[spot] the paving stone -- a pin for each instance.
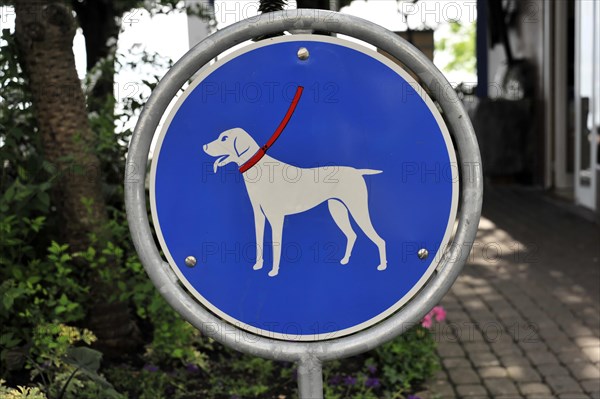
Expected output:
(508, 314)
(545, 323)
(449, 301)
(587, 311)
(515, 360)
(506, 349)
(534, 388)
(486, 320)
(593, 353)
(591, 386)
(458, 317)
(440, 375)
(562, 345)
(573, 356)
(584, 371)
(458, 313)
(463, 376)
(475, 336)
(564, 384)
(523, 374)
(535, 317)
(584, 342)
(484, 359)
(564, 317)
(549, 333)
(503, 339)
(469, 390)
(576, 330)
(526, 333)
(442, 388)
(573, 396)
(559, 336)
(542, 357)
(446, 335)
(492, 372)
(501, 386)
(483, 290)
(456, 362)
(512, 321)
(496, 299)
(446, 350)
(552, 370)
(533, 347)
(537, 396)
(476, 347)
(493, 333)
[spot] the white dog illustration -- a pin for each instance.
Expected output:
(280, 189)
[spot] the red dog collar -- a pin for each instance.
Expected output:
(263, 150)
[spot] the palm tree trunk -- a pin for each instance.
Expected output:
(44, 33)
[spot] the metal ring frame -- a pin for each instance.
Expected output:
(308, 354)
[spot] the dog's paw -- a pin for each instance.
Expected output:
(345, 260)
(273, 273)
(258, 265)
(382, 267)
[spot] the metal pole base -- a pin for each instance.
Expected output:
(310, 378)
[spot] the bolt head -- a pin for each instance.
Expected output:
(423, 254)
(303, 53)
(190, 261)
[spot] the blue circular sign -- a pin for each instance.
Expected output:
(304, 187)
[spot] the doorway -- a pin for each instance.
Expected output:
(587, 103)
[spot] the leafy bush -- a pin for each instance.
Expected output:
(47, 290)
(20, 392)
(393, 371)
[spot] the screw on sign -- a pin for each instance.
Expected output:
(297, 209)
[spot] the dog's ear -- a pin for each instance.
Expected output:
(241, 144)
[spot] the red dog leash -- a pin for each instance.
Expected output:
(263, 150)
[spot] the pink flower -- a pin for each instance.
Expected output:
(437, 313)
(427, 321)
(440, 313)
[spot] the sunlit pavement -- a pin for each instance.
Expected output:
(523, 320)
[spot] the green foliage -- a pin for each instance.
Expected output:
(67, 371)
(391, 371)
(45, 287)
(408, 360)
(461, 47)
(20, 392)
(40, 284)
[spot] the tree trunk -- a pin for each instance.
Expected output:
(44, 32)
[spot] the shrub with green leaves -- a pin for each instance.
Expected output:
(20, 392)
(45, 286)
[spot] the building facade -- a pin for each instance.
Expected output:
(547, 53)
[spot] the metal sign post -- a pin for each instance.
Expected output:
(304, 189)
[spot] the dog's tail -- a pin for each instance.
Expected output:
(369, 171)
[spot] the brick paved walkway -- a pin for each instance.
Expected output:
(524, 317)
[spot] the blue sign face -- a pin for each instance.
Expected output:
(314, 183)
